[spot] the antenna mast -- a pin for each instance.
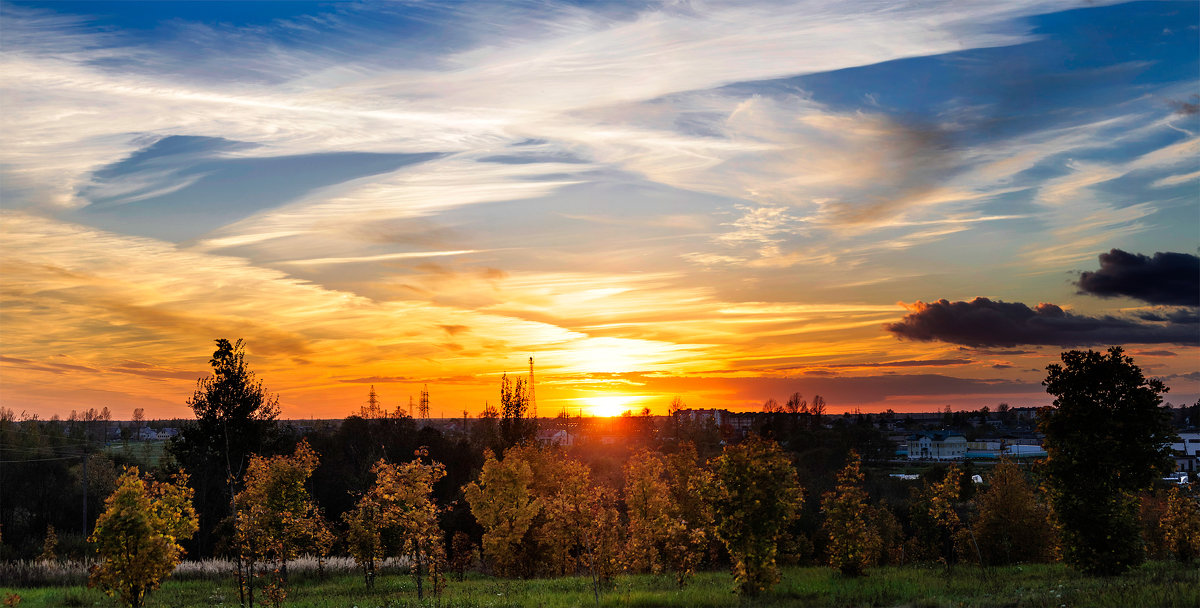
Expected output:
(532, 396)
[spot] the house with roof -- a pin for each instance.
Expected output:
(1186, 451)
(937, 445)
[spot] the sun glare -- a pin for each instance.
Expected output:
(609, 405)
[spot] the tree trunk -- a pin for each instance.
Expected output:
(420, 573)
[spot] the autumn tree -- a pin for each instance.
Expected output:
(137, 536)
(1011, 525)
(690, 539)
(668, 519)
(49, 545)
(600, 540)
(648, 506)
(563, 487)
(942, 505)
(397, 517)
(755, 496)
(1106, 439)
(1181, 524)
(854, 543)
(504, 505)
(276, 516)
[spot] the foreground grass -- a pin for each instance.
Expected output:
(1051, 586)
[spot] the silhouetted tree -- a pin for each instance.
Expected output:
(515, 427)
(1107, 439)
(235, 417)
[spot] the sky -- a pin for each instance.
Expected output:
(894, 205)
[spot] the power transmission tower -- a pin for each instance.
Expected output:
(423, 407)
(372, 405)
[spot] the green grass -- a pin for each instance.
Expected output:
(1049, 586)
(147, 454)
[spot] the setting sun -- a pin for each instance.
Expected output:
(609, 405)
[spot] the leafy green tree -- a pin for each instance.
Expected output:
(1107, 439)
(854, 543)
(1181, 524)
(235, 418)
(755, 496)
(1011, 525)
(138, 535)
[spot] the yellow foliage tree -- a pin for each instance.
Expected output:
(854, 542)
(49, 545)
(138, 535)
(504, 505)
(1011, 524)
(651, 514)
(276, 516)
(534, 507)
(1181, 525)
(600, 540)
(756, 495)
(398, 517)
(669, 520)
(692, 538)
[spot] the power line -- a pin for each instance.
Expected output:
(43, 459)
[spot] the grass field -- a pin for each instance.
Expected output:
(1051, 586)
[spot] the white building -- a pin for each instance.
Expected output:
(1186, 451)
(937, 445)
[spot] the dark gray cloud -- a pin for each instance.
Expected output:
(1190, 107)
(1168, 278)
(997, 352)
(983, 322)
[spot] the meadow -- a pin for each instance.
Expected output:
(1154, 584)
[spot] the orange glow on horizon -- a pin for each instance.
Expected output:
(607, 406)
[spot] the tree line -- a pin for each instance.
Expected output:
(682, 500)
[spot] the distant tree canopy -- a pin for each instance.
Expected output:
(1107, 438)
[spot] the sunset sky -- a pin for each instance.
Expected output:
(724, 201)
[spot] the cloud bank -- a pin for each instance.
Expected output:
(987, 323)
